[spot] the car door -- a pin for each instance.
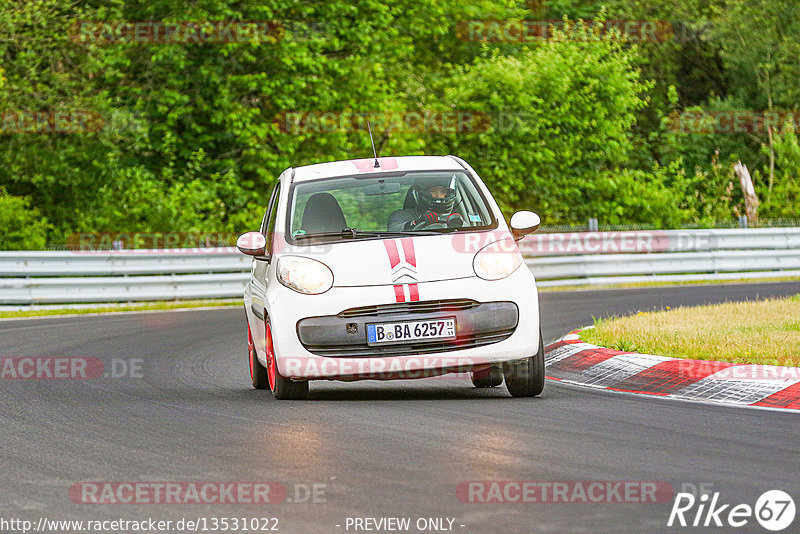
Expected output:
(258, 272)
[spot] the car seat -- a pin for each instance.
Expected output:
(323, 214)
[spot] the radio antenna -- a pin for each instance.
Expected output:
(375, 152)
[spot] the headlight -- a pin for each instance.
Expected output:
(497, 260)
(304, 275)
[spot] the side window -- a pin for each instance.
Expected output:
(271, 216)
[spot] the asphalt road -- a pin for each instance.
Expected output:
(376, 449)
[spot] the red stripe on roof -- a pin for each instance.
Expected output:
(368, 165)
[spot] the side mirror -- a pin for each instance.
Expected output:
(252, 244)
(524, 223)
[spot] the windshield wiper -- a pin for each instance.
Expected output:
(355, 233)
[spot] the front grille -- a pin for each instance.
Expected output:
(411, 349)
(428, 306)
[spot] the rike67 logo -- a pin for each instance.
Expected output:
(774, 510)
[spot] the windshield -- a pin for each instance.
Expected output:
(413, 203)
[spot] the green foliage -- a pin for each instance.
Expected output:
(562, 115)
(783, 202)
(759, 46)
(632, 196)
(191, 137)
(23, 226)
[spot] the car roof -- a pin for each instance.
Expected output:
(367, 166)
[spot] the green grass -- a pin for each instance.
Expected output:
(132, 307)
(594, 287)
(758, 332)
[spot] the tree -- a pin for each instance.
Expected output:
(563, 113)
(763, 61)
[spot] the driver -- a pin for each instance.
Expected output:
(434, 200)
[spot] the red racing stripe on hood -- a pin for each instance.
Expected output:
(391, 250)
(399, 295)
(413, 292)
(408, 250)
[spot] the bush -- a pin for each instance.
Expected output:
(23, 227)
(783, 202)
(629, 196)
(568, 107)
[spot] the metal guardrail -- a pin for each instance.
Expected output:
(32, 278)
(662, 256)
(125, 262)
(120, 289)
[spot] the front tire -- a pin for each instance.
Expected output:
(258, 373)
(282, 388)
(525, 378)
(488, 378)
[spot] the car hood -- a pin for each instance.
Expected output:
(405, 260)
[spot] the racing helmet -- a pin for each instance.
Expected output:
(426, 201)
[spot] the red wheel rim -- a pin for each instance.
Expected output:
(272, 371)
(251, 349)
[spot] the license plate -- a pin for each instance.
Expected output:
(440, 329)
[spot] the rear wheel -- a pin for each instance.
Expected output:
(258, 373)
(525, 378)
(488, 378)
(282, 388)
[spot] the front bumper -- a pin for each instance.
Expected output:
(505, 313)
(344, 335)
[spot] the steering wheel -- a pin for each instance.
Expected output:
(428, 225)
(436, 225)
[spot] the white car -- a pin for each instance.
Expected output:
(390, 268)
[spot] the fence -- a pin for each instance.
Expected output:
(63, 277)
